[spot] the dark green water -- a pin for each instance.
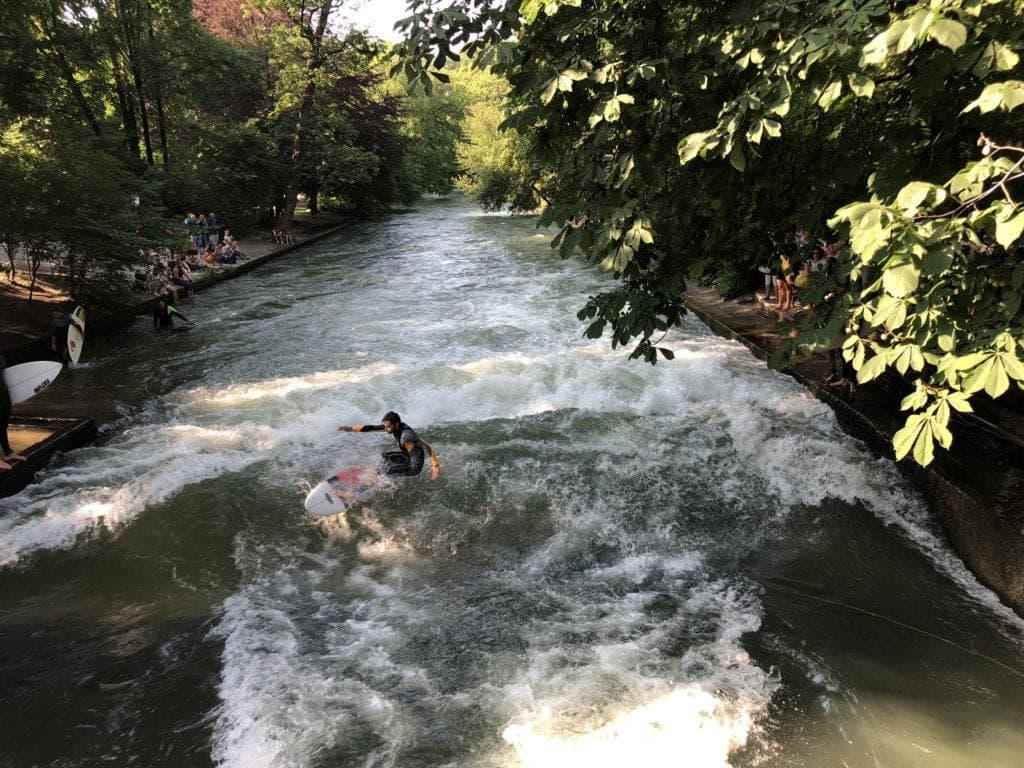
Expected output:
(681, 565)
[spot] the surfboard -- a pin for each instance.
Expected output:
(29, 379)
(341, 491)
(76, 337)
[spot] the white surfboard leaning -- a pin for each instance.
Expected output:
(76, 337)
(339, 492)
(29, 379)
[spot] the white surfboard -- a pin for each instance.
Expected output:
(341, 491)
(29, 379)
(76, 337)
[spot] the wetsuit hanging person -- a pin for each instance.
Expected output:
(408, 460)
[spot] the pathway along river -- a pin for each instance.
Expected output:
(687, 564)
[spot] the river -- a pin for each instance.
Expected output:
(685, 564)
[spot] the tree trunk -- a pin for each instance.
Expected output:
(131, 127)
(131, 47)
(161, 119)
(305, 118)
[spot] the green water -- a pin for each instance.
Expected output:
(688, 564)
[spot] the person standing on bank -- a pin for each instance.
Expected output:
(6, 454)
(59, 336)
(408, 460)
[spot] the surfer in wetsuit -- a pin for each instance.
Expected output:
(59, 337)
(408, 460)
(6, 454)
(163, 314)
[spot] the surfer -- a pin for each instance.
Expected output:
(59, 338)
(6, 454)
(163, 314)
(408, 460)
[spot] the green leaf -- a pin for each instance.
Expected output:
(1008, 96)
(1013, 365)
(1005, 58)
(942, 434)
(549, 91)
(904, 439)
(876, 50)
(871, 369)
(832, 92)
(960, 402)
(1008, 232)
(754, 131)
(901, 281)
(772, 127)
(738, 159)
(977, 378)
(997, 382)
(914, 401)
(948, 33)
(861, 85)
(936, 261)
(612, 111)
(917, 192)
(924, 448)
(694, 144)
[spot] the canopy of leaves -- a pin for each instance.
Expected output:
(163, 115)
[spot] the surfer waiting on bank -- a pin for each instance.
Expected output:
(408, 460)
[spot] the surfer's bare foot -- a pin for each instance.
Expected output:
(14, 457)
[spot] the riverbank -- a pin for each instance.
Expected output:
(25, 321)
(25, 336)
(975, 490)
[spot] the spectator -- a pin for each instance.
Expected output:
(213, 227)
(181, 276)
(192, 226)
(159, 284)
(204, 230)
(192, 260)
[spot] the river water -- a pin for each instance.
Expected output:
(688, 564)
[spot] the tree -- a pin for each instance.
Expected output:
(495, 162)
(305, 38)
(670, 129)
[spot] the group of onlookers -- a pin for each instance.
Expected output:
(282, 236)
(202, 230)
(793, 260)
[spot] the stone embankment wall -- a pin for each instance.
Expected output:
(975, 491)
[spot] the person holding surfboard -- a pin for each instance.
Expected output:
(408, 460)
(59, 338)
(6, 454)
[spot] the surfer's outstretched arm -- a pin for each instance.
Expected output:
(361, 428)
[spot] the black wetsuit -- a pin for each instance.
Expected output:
(5, 413)
(162, 318)
(412, 449)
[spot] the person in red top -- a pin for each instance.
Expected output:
(413, 449)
